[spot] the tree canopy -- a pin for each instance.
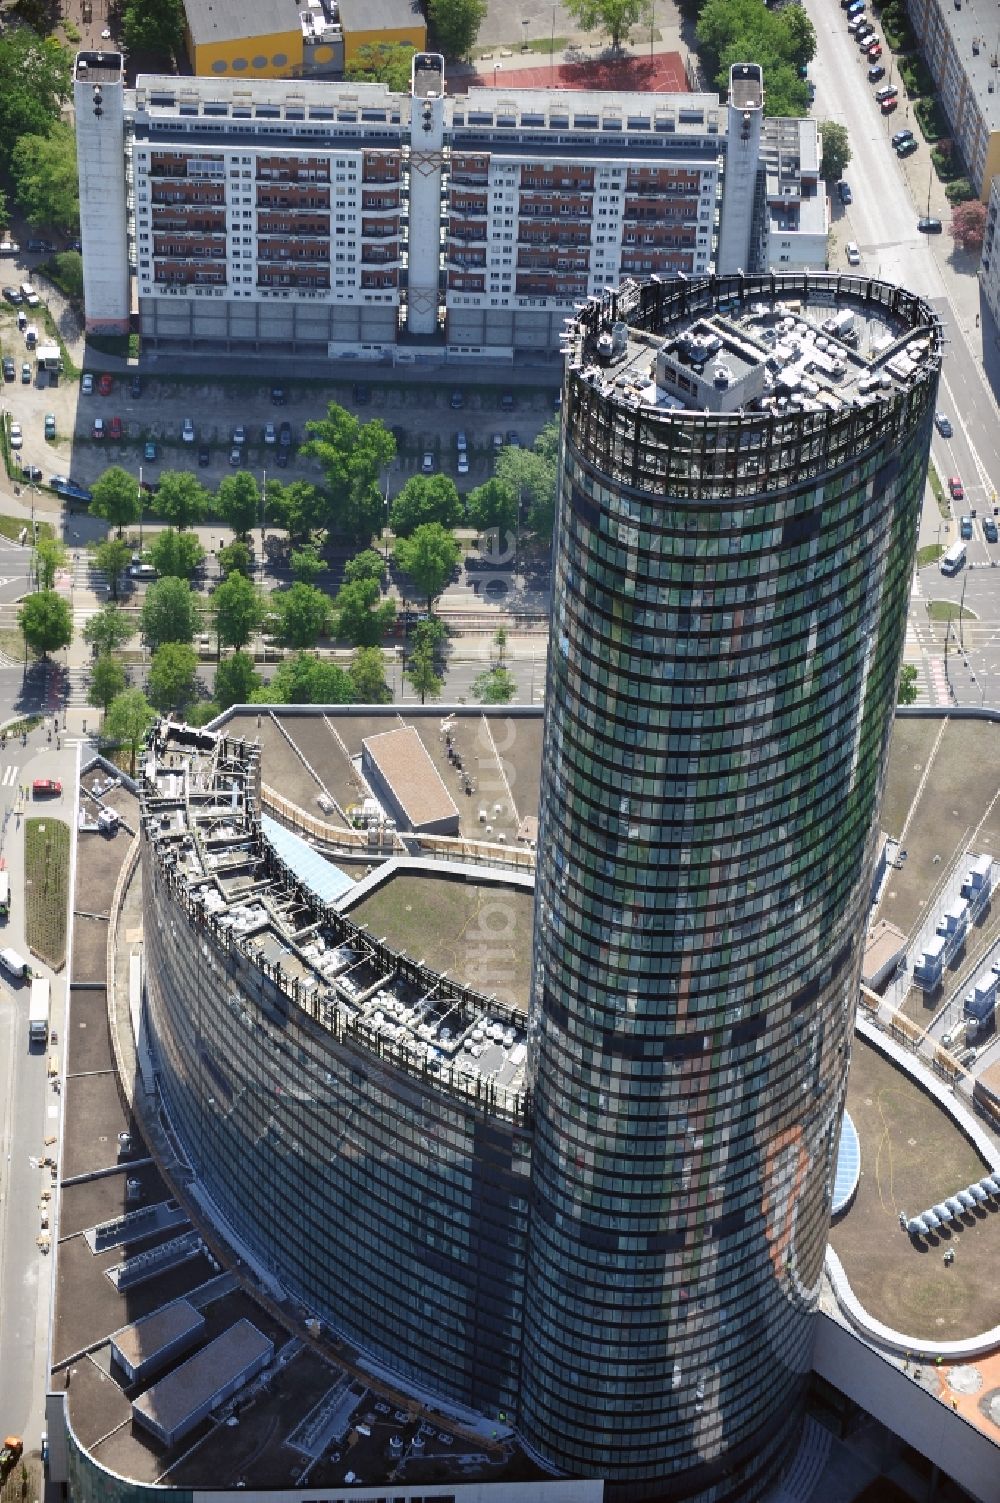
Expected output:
(421, 670)
(238, 502)
(43, 168)
(367, 674)
(153, 25)
(108, 630)
(107, 681)
(368, 564)
(238, 610)
(382, 62)
(50, 555)
(303, 615)
(46, 621)
(429, 557)
(968, 224)
(128, 718)
(299, 508)
(176, 554)
(170, 613)
(305, 680)
(111, 556)
(181, 498)
(173, 682)
(363, 618)
(782, 41)
(353, 456)
(616, 17)
(236, 680)
(836, 150)
(495, 686)
(34, 83)
(455, 24)
(531, 476)
(425, 498)
(493, 507)
(116, 498)
(236, 558)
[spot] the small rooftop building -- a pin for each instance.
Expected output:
(404, 779)
(884, 949)
(147, 1345)
(173, 1407)
(294, 38)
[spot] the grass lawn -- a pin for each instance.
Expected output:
(929, 555)
(12, 527)
(46, 887)
(948, 610)
(943, 504)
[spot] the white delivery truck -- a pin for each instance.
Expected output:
(13, 963)
(38, 1012)
(4, 893)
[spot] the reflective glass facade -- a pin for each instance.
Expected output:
(729, 612)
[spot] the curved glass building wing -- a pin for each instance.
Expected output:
(743, 463)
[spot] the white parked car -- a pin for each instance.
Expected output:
(427, 463)
(463, 463)
(15, 436)
(853, 254)
(461, 443)
(187, 431)
(270, 433)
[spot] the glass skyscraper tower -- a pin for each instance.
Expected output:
(743, 466)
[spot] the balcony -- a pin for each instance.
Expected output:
(293, 280)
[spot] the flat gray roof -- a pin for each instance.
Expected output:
(418, 787)
(382, 15)
(232, 20)
(192, 1385)
(141, 1340)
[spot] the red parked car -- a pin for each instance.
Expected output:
(115, 428)
(874, 51)
(887, 106)
(957, 488)
(105, 385)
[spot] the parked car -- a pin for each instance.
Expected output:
(427, 463)
(901, 137)
(362, 394)
(12, 294)
(865, 34)
(239, 436)
(270, 433)
(844, 191)
(928, 225)
(906, 149)
(965, 528)
(50, 425)
(497, 442)
(461, 442)
(513, 439)
(887, 91)
(507, 401)
(876, 72)
(278, 396)
(149, 451)
(853, 254)
(463, 463)
(457, 400)
(285, 435)
(888, 105)
(46, 788)
(99, 429)
(204, 458)
(855, 25)
(86, 384)
(236, 457)
(943, 424)
(281, 459)
(25, 373)
(990, 530)
(956, 488)
(105, 385)
(16, 437)
(872, 52)
(115, 429)
(187, 431)
(135, 386)
(9, 369)
(31, 473)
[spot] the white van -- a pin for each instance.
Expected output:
(13, 963)
(953, 560)
(30, 295)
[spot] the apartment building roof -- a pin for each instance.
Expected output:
(974, 35)
(380, 15)
(401, 758)
(238, 20)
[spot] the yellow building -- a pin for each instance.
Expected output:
(294, 38)
(387, 23)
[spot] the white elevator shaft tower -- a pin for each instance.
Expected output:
(98, 99)
(426, 163)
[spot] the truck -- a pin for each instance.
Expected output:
(4, 892)
(49, 358)
(13, 963)
(38, 1012)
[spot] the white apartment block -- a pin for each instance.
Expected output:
(330, 219)
(989, 265)
(960, 40)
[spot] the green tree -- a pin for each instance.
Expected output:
(303, 615)
(493, 507)
(836, 149)
(431, 634)
(616, 17)
(173, 682)
(176, 554)
(43, 168)
(425, 498)
(50, 555)
(367, 673)
(496, 686)
(107, 681)
(34, 85)
(153, 25)
(383, 62)
(362, 617)
(429, 558)
(236, 681)
(300, 508)
(238, 610)
(421, 670)
(181, 498)
(740, 31)
(532, 478)
(108, 631)
(305, 680)
(547, 441)
(170, 613)
(238, 502)
(128, 718)
(368, 564)
(236, 558)
(306, 564)
(112, 556)
(116, 498)
(907, 691)
(46, 621)
(353, 456)
(455, 24)
(67, 273)
(201, 712)
(4, 211)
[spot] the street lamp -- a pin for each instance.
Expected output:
(263, 514)
(140, 511)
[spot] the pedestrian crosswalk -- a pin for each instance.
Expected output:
(78, 686)
(9, 777)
